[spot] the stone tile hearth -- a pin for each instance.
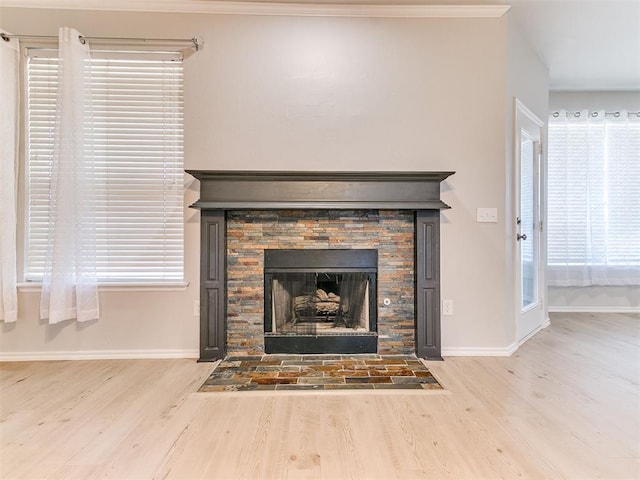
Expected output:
(320, 372)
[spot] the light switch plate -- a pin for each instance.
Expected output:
(487, 215)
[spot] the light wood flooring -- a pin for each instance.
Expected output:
(565, 406)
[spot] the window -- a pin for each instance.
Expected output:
(138, 149)
(594, 199)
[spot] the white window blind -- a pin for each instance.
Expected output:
(594, 199)
(137, 131)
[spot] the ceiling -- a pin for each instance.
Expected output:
(586, 44)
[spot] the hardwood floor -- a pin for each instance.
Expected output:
(565, 406)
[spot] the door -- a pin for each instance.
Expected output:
(528, 259)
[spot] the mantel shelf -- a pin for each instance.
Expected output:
(292, 176)
(275, 190)
(200, 205)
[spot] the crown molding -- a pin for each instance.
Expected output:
(263, 8)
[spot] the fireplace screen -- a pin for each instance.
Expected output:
(319, 302)
(320, 294)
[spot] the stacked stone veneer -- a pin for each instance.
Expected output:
(249, 233)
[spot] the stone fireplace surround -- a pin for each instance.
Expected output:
(249, 233)
(245, 212)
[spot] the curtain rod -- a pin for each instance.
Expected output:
(594, 114)
(191, 41)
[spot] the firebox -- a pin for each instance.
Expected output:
(320, 301)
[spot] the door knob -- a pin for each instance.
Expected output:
(521, 237)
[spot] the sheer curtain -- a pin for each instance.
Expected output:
(9, 99)
(594, 198)
(69, 287)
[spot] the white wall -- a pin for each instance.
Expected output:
(312, 93)
(528, 81)
(595, 298)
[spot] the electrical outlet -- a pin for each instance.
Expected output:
(447, 307)
(196, 308)
(487, 215)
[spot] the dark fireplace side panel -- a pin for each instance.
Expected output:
(428, 284)
(212, 285)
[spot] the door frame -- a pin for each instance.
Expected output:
(525, 119)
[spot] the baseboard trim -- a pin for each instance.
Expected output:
(489, 351)
(97, 355)
(529, 335)
(480, 351)
(553, 309)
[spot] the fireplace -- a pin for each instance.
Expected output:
(262, 290)
(320, 301)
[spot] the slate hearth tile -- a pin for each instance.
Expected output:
(254, 387)
(273, 381)
(368, 379)
(362, 356)
(400, 372)
(228, 364)
(323, 357)
(331, 362)
(278, 368)
(258, 363)
(301, 387)
(302, 363)
(325, 368)
(228, 381)
(398, 367)
(405, 380)
(351, 386)
(296, 374)
(390, 361)
(223, 374)
(282, 358)
(243, 358)
(422, 373)
(408, 358)
(254, 375)
(415, 363)
(239, 388)
(364, 367)
(376, 372)
(347, 373)
(319, 380)
(350, 363)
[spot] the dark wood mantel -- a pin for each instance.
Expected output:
(274, 190)
(221, 191)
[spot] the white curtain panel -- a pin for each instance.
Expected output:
(594, 199)
(69, 287)
(9, 104)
